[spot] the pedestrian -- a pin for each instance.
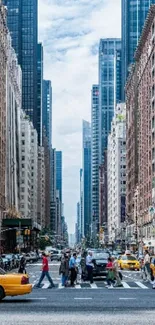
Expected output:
(64, 269)
(84, 274)
(73, 269)
(147, 270)
(45, 271)
(116, 273)
(110, 275)
(89, 266)
(22, 265)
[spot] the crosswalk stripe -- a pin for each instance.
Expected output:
(93, 286)
(138, 285)
(125, 285)
(60, 286)
(45, 286)
(141, 285)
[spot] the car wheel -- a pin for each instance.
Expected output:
(2, 294)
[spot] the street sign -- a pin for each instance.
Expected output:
(20, 239)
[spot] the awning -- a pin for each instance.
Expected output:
(17, 222)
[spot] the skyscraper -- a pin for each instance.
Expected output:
(95, 151)
(134, 13)
(38, 114)
(81, 205)
(59, 173)
(87, 177)
(47, 110)
(109, 87)
(53, 189)
(22, 19)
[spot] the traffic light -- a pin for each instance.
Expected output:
(27, 232)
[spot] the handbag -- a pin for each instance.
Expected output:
(110, 275)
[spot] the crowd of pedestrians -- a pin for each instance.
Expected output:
(71, 266)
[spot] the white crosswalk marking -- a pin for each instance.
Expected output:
(46, 285)
(125, 285)
(141, 285)
(99, 286)
(60, 286)
(93, 286)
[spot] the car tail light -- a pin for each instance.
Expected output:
(24, 280)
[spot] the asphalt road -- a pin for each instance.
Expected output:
(80, 306)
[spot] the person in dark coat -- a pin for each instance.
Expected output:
(64, 269)
(22, 265)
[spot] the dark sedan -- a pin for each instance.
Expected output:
(100, 260)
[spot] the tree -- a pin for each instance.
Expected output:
(43, 242)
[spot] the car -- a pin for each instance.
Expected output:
(12, 259)
(56, 255)
(1, 263)
(128, 261)
(31, 257)
(14, 284)
(8, 260)
(100, 261)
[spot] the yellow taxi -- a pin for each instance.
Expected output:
(152, 266)
(128, 261)
(14, 285)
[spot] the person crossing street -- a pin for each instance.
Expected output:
(45, 272)
(89, 266)
(73, 269)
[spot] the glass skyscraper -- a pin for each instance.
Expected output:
(47, 110)
(87, 177)
(95, 151)
(59, 173)
(134, 13)
(22, 20)
(109, 87)
(38, 111)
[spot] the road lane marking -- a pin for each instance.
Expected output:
(83, 298)
(141, 285)
(93, 286)
(35, 299)
(125, 285)
(127, 298)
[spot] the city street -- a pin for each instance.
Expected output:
(134, 303)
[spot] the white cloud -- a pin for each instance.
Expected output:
(70, 31)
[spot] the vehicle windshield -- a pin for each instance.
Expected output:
(100, 256)
(128, 258)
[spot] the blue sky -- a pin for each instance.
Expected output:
(70, 31)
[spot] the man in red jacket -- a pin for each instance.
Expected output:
(45, 271)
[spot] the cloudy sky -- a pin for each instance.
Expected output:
(70, 31)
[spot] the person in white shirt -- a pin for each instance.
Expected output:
(89, 266)
(147, 265)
